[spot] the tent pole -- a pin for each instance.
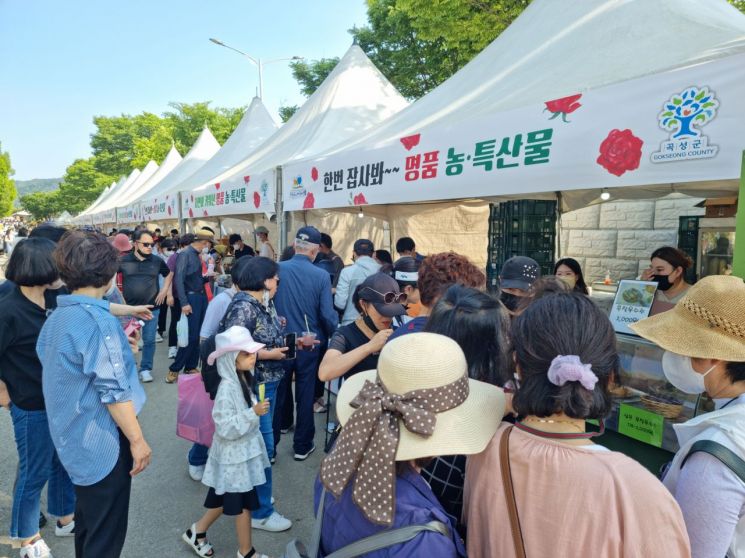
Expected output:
(558, 225)
(181, 221)
(280, 211)
(738, 267)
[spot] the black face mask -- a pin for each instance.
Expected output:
(369, 323)
(142, 254)
(510, 301)
(663, 282)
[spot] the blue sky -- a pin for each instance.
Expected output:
(62, 62)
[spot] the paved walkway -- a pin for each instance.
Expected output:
(165, 501)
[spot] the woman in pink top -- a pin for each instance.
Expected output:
(572, 497)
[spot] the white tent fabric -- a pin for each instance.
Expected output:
(98, 214)
(354, 97)
(161, 201)
(117, 199)
(625, 58)
(172, 159)
(256, 126)
(102, 196)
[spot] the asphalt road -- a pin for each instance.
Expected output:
(165, 501)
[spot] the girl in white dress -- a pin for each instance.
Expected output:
(237, 457)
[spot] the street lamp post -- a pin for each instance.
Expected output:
(257, 62)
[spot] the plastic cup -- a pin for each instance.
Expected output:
(307, 340)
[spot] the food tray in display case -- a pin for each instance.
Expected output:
(645, 404)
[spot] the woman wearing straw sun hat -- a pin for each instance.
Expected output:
(704, 340)
(419, 404)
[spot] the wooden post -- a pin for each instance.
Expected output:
(738, 267)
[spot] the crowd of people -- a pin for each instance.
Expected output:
(463, 413)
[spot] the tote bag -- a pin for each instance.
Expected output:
(194, 416)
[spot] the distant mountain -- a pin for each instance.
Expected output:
(37, 185)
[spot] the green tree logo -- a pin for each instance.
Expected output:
(694, 107)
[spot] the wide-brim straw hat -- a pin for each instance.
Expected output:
(708, 322)
(424, 361)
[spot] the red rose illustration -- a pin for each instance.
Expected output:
(246, 179)
(169, 210)
(191, 212)
(565, 105)
(205, 213)
(314, 174)
(217, 185)
(257, 200)
(310, 201)
(621, 151)
(410, 142)
(359, 199)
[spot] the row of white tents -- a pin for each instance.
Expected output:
(502, 127)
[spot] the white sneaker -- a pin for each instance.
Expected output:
(196, 472)
(274, 523)
(65, 530)
(39, 549)
(158, 338)
(145, 376)
(172, 352)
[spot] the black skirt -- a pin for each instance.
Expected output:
(232, 503)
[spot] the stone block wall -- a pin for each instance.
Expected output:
(619, 236)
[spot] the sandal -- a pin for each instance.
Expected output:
(198, 542)
(252, 554)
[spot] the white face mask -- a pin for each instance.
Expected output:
(205, 250)
(678, 370)
(168, 253)
(236, 246)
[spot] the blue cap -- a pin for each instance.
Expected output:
(308, 234)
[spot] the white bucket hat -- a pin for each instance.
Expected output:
(233, 339)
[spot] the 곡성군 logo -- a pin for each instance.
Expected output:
(682, 115)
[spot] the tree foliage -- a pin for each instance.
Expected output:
(285, 113)
(123, 143)
(7, 186)
(418, 44)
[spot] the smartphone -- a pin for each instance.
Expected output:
(133, 326)
(291, 344)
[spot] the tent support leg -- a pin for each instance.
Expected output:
(738, 267)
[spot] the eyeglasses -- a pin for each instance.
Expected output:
(147, 244)
(390, 298)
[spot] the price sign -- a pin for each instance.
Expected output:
(633, 302)
(641, 424)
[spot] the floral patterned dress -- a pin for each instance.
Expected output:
(265, 327)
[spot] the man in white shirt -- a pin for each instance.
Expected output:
(265, 250)
(352, 276)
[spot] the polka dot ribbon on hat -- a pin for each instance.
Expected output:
(368, 442)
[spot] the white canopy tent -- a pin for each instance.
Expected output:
(566, 86)
(162, 200)
(117, 199)
(85, 214)
(353, 98)
(97, 214)
(129, 210)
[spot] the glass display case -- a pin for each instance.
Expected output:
(716, 247)
(645, 404)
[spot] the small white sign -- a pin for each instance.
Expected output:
(633, 302)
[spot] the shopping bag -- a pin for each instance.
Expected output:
(194, 416)
(182, 331)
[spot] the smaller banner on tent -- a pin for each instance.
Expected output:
(163, 208)
(680, 126)
(253, 193)
(129, 214)
(108, 216)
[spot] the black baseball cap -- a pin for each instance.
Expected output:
(364, 247)
(519, 272)
(308, 234)
(373, 290)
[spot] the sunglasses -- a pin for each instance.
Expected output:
(147, 244)
(390, 298)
